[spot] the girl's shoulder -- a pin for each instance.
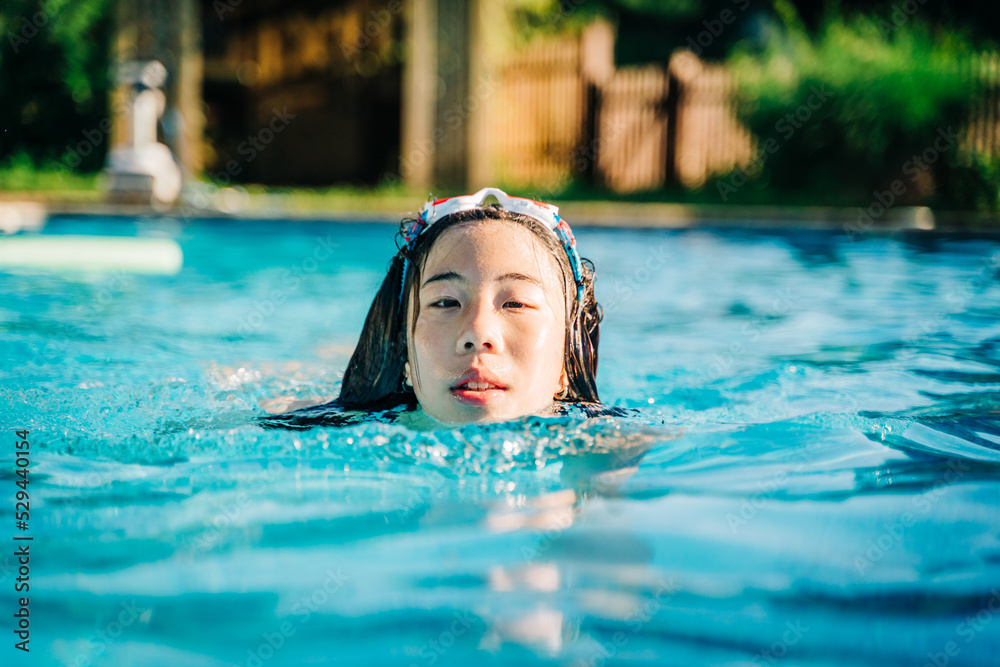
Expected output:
(586, 409)
(392, 409)
(386, 411)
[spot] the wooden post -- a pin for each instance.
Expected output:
(448, 80)
(187, 120)
(672, 108)
(486, 19)
(417, 150)
(451, 115)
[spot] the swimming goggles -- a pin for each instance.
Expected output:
(546, 214)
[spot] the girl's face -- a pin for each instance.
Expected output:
(491, 311)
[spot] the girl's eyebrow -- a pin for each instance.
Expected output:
(451, 275)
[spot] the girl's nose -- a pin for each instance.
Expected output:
(480, 329)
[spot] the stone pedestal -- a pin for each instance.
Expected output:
(141, 170)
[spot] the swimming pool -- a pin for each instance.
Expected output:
(813, 481)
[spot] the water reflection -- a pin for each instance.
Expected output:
(548, 561)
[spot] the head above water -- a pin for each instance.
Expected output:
(483, 294)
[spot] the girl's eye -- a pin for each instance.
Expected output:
(443, 303)
(452, 303)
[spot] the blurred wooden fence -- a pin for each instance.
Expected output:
(982, 135)
(560, 115)
(541, 115)
(660, 126)
(633, 130)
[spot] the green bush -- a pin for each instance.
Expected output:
(863, 107)
(54, 58)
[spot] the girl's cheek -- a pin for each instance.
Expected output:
(422, 327)
(537, 337)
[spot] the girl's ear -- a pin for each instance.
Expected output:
(563, 384)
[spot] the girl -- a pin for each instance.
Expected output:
(487, 314)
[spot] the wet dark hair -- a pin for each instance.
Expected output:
(375, 371)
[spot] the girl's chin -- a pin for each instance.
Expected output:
(481, 410)
(460, 415)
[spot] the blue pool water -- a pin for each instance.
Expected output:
(813, 478)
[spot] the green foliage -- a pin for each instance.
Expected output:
(891, 92)
(667, 9)
(54, 58)
(648, 30)
(532, 19)
(20, 174)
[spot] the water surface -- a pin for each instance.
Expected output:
(812, 478)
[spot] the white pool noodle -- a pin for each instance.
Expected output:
(92, 253)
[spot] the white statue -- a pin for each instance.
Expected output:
(143, 169)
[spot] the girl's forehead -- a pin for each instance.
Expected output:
(487, 250)
(490, 241)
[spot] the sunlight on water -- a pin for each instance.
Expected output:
(808, 473)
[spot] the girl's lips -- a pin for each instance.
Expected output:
(478, 397)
